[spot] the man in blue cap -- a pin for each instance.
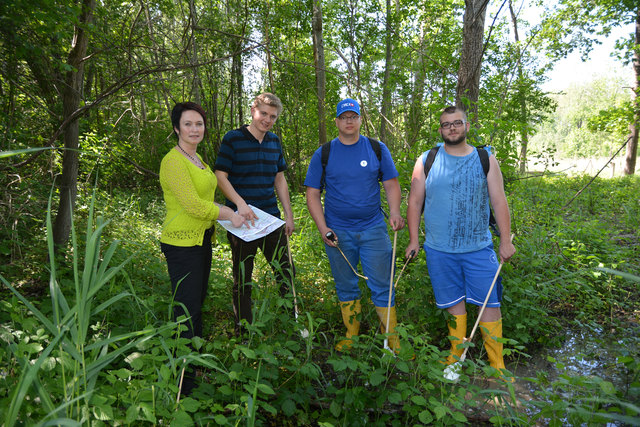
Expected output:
(348, 168)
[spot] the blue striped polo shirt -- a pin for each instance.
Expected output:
(252, 167)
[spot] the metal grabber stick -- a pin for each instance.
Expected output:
(332, 237)
(304, 333)
(393, 265)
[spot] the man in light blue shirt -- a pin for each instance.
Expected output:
(460, 256)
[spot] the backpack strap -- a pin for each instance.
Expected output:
(428, 160)
(324, 158)
(483, 154)
(484, 158)
(375, 146)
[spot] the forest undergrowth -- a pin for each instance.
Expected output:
(88, 338)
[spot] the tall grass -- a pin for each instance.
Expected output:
(78, 351)
(66, 364)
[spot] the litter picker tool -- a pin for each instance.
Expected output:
(304, 333)
(391, 287)
(452, 372)
(332, 237)
(411, 255)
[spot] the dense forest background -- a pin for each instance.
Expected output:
(86, 88)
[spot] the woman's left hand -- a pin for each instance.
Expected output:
(238, 220)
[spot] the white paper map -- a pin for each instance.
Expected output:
(264, 225)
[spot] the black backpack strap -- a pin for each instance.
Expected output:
(428, 160)
(484, 158)
(375, 146)
(324, 158)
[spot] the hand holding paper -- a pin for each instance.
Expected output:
(262, 226)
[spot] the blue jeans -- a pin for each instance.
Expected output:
(372, 248)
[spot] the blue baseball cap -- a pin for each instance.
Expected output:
(347, 104)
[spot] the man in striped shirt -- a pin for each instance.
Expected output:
(250, 165)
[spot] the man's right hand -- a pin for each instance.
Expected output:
(413, 247)
(330, 237)
(246, 212)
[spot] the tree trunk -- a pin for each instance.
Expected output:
(415, 109)
(196, 84)
(524, 135)
(632, 146)
(471, 57)
(70, 102)
(321, 79)
(385, 110)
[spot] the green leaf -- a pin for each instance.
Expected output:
(425, 417)
(395, 398)
(376, 378)
(440, 411)
(132, 414)
(607, 388)
(335, 409)
(288, 407)
(181, 419)
(122, 373)
(248, 352)
(419, 400)
(225, 390)
(189, 404)
(459, 416)
(265, 389)
(102, 412)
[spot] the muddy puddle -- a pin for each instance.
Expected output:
(585, 356)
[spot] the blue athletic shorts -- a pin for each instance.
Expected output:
(466, 276)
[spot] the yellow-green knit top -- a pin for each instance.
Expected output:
(188, 194)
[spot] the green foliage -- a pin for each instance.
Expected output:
(574, 265)
(592, 119)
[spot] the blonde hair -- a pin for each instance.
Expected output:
(267, 98)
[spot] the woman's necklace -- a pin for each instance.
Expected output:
(196, 161)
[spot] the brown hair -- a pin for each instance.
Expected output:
(451, 109)
(181, 107)
(268, 99)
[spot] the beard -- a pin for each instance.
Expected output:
(457, 140)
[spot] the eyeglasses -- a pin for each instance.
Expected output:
(455, 124)
(349, 118)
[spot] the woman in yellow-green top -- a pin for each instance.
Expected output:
(189, 186)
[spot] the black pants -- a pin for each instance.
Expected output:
(274, 248)
(189, 270)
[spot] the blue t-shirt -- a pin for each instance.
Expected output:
(252, 167)
(352, 191)
(456, 210)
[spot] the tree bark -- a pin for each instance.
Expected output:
(524, 135)
(632, 146)
(196, 84)
(468, 87)
(385, 110)
(321, 78)
(70, 102)
(414, 121)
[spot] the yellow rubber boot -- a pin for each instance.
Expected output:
(490, 332)
(457, 333)
(393, 341)
(350, 313)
